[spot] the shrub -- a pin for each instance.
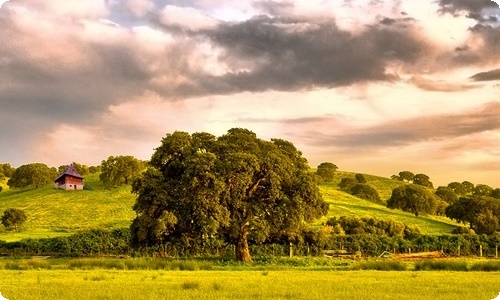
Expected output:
(380, 265)
(488, 266)
(13, 218)
(441, 265)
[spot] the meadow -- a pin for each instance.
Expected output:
(247, 284)
(53, 212)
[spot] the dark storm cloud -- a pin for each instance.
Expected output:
(404, 132)
(487, 76)
(291, 54)
(475, 9)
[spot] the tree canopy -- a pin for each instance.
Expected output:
(119, 170)
(32, 175)
(326, 171)
(201, 187)
(413, 198)
(12, 218)
(481, 212)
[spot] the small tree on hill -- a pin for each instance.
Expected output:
(413, 198)
(119, 170)
(423, 180)
(406, 176)
(326, 171)
(13, 218)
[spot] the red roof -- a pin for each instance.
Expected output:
(70, 171)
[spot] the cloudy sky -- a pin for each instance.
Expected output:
(374, 86)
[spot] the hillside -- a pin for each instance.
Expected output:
(53, 212)
(344, 204)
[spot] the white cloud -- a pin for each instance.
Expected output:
(140, 7)
(186, 17)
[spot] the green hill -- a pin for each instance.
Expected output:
(344, 204)
(53, 212)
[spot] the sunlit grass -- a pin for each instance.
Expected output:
(292, 284)
(52, 212)
(344, 204)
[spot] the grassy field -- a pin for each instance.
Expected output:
(344, 204)
(52, 212)
(290, 284)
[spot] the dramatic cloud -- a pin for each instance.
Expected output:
(82, 80)
(487, 76)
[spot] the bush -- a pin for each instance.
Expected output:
(13, 218)
(364, 191)
(380, 265)
(488, 266)
(441, 265)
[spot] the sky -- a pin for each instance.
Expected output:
(374, 86)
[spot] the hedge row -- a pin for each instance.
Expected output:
(117, 242)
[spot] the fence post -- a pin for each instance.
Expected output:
(458, 249)
(291, 250)
(496, 251)
(480, 250)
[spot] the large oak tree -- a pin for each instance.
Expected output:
(201, 186)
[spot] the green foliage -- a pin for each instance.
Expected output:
(457, 188)
(423, 180)
(365, 191)
(31, 175)
(6, 170)
(406, 176)
(347, 183)
(482, 213)
(486, 266)
(380, 265)
(468, 186)
(413, 198)
(326, 171)
(354, 225)
(1, 188)
(441, 265)
(482, 190)
(200, 188)
(13, 218)
(446, 194)
(120, 170)
(360, 178)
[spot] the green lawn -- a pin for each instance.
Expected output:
(52, 212)
(288, 284)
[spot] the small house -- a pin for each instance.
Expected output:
(70, 179)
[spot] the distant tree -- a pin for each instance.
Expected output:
(364, 191)
(31, 175)
(234, 186)
(482, 213)
(446, 194)
(360, 178)
(94, 169)
(326, 171)
(13, 218)
(6, 170)
(347, 183)
(482, 190)
(119, 170)
(495, 193)
(457, 188)
(406, 176)
(468, 186)
(413, 198)
(423, 180)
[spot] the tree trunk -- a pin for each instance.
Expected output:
(241, 250)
